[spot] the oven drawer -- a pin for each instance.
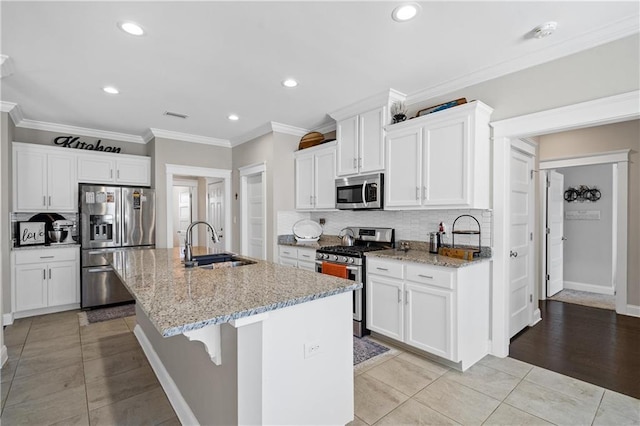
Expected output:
(431, 275)
(385, 268)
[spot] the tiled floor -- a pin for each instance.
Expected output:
(61, 373)
(400, 388)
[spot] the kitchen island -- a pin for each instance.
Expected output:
(253, 344)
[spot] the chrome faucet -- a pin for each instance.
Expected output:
(188, 254)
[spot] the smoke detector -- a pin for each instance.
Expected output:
(544, 30)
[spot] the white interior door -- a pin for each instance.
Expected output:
(182, 213)
(215, 212)
(521, 242)
(255, 217)
(555, 233)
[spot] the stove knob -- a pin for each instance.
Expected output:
(351, 260)
(345, 259)
(334, 257)
(325, 256)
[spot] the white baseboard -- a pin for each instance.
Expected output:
(537, 317)
(7, 319)
(45, 311)
(633, 310)
(180, 406)
(591, 288)
(4, 355)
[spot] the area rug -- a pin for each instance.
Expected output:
(363, 349)
(594, 300)
(106, 314)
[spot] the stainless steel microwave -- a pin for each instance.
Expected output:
(360, 192)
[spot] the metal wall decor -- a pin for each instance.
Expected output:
(581, 194)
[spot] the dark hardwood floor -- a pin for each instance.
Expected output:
(590, 344)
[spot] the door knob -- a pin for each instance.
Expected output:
(513, 253)
(564, 238)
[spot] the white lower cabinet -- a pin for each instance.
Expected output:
(45, 280)
(440, 310)
(298, 257)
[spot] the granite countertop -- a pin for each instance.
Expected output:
(424, 256)
(45, 246)
(324, 241)
(178, 299)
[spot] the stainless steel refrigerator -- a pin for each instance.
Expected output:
(112, 218)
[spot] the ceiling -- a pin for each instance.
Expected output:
(210, 59)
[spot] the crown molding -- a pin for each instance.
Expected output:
(267, 128)
(326, 128)
(14, 110)
(7, 106)
(82, 131)
(186, 137)
(383, 98)
(597, 37)
(287, 129)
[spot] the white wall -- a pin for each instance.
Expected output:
(588, 248)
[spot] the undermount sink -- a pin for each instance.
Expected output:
(220, 260)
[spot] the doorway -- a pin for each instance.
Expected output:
(198, 173)
(215, 212)
(253, 207)
(582, 231)
(597, 112)
(185, 210)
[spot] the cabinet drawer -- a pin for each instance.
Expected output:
(384, 268)
(307, 254)
(46, 255)
(430, 275)
(288, 251)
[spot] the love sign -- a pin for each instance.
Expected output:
(30, 233)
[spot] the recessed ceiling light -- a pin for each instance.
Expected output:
(289, 83)
(544, 30)
(405, 12)
(233, 117)
(111, 90)
(131, 28)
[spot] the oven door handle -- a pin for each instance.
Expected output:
(349, 268)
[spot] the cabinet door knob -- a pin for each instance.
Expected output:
(513, 253)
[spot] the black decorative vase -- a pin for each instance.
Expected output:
(399, 117)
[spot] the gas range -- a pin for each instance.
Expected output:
(351, 255)
(366, 239)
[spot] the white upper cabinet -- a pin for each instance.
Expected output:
(315, 174)
(440, 160)
(361, 143)
(360, 134)
(44, 179)
(116, 169)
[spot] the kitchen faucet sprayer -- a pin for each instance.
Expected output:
(188, 255)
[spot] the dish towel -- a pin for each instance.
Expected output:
(339, 271)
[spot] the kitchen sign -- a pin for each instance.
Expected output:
(75, 142)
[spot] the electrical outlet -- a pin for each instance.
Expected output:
(322, 221)
(312, 349)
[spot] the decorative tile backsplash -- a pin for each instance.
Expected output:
(409, 225)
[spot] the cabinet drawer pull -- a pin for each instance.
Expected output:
(118, 174)
(47, 257)
(355, 163)
(417, 192)
(406, 297)
(305, 255)
(44, 274)
(49, 273)
(381, 269)
(399, 296)
(286, 252)
(359, 161)
(44, 200)
(426, 276)
(49, 200)
(111, 174)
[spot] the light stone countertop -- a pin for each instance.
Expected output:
(424, 256)
(324, 241)
(44, 246)
(178, 299)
